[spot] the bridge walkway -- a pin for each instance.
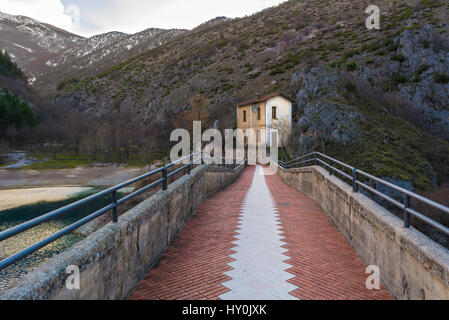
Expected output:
(258, 239)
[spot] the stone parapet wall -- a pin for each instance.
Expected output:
(114, 259)
(412, 266)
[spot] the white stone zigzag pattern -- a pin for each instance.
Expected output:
(259, 267)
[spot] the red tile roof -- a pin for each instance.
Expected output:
(263, 99)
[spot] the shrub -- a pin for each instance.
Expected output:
(351, 53)
(422, 68)
(426, 44)
(65, 83)
(243, 47)
(399, 78)
(222, 42)
(398, 57)
(350, 86)
(442, 78)
(352, 66)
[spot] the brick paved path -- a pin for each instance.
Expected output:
(325, 265)
(259, 271)
(196, 266)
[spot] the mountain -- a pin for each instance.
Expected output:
(31, 43)
(343, 77)
(50, 55)
(98, 53)
(86, 47)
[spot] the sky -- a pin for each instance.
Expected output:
(90, 17)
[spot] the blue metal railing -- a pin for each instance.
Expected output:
(188, 162)
(319, 159)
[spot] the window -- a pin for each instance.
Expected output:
(273, 112)
(258, 113)
(244, 115)
(258, 135)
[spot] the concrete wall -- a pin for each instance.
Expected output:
(114, 259)
(217, 178)
(411, 265)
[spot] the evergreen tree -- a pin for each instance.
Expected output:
(15, 112)
(9, 68)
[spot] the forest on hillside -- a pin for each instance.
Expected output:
(30, 122)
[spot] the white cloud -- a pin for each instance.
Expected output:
(133, 16)
(143, 14)
(48, 11)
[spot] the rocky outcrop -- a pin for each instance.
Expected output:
(324, 113)
(422, 54)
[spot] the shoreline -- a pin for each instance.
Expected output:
(14, 198)
(78, 177)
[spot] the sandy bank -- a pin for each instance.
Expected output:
(92, 177)
(19, 197)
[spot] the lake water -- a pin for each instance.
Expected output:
(16, 216)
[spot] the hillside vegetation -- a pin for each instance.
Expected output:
(393, 81)
(9, 68)
(14, 112)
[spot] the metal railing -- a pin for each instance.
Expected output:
(355, 175)
(188, 162)
(222, 162)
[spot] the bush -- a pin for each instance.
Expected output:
(442, 78)
(399, 78)
(350, 86)
(422, 68)
(223, 42)
(351, 53)
(243, 47)
(352, 66)
(398, 57)
(65, 83)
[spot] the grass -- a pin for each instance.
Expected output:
(46, 161)
(133, 163)
(57, 164)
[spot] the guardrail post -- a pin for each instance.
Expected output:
(190, 164)
(299, 163)
(406, 214)
(114, 210)
(315, 158)
(330, 167)
(165, 179)
(355, 186)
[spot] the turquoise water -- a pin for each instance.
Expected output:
(16, 216)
